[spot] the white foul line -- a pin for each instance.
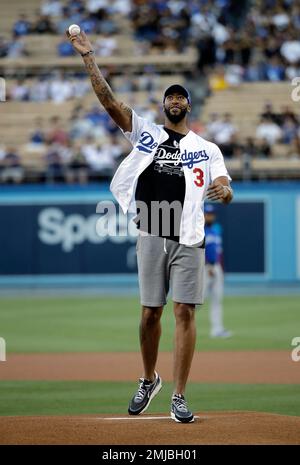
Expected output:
(137, 418)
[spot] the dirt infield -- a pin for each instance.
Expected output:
(210, 428)
(208, 367)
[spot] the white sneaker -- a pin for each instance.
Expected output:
(225, 334)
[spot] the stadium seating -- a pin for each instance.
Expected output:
(245, 102)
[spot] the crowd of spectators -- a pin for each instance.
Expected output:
(90, 145)
(252, 40)
(273, 129)
(86, 146)
(56, 87)
(236, 42)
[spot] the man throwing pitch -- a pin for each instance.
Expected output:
(167, 176)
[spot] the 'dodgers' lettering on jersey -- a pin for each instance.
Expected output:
(189, 159)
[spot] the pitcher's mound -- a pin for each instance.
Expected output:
(147, 429)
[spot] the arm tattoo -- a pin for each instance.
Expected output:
(120, 112)
(125, 109)
(100, 86)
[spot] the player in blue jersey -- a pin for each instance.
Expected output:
(214, 276)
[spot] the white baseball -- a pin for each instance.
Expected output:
(74, 30)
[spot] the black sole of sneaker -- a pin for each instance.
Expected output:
(173, 416)
(153, 394)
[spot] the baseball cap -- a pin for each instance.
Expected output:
(177, 89)
(209, 208)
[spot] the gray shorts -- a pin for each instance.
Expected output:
(164, 262)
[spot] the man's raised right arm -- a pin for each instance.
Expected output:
(120, 113)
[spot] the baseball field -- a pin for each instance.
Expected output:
(73, 363)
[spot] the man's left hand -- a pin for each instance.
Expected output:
(218, 192)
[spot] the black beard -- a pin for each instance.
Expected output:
(176, 118)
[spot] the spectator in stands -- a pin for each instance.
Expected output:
(93, 6)
(295, 16)
(112, 149)
(39, 90)
(16, 48)
(56, 134)
(75, 10)
(213, 126)
(80, 86)
(269, 113)
(102, 157)
(91, 151)
(217, 79)
(264, 149)
(280, 18)
(60, 89)
(121, 7)
(225, 136)
(145, 21)
(12, 170)
(150, 111)
(290, 49)
(271, 47)
(291, 72)
(106, 45)
(2, 154)
(105, 23)
(64, 48)
(38, 135)
(207, 50)
(148, 81)
(22, 26)
(54, 166)
(102, 162)
(63, 23)
(230, 48)
(81, 127)
(287, 112)
(19, 91)
(97, 116)
(234, 75)
(254, 72)
(52, 8)
(289, 130)
(110, 127)
(3, 47)
(88, 24)
(250, 147)
(274, 70)
(77, 167)
(268, 131)
(43, 25)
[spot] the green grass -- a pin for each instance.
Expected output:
(69, 398)
(111, 324)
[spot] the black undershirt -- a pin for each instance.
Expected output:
(163, 180)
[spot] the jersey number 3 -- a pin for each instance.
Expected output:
(199, 181)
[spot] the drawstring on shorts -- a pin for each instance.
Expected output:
(165, 245)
